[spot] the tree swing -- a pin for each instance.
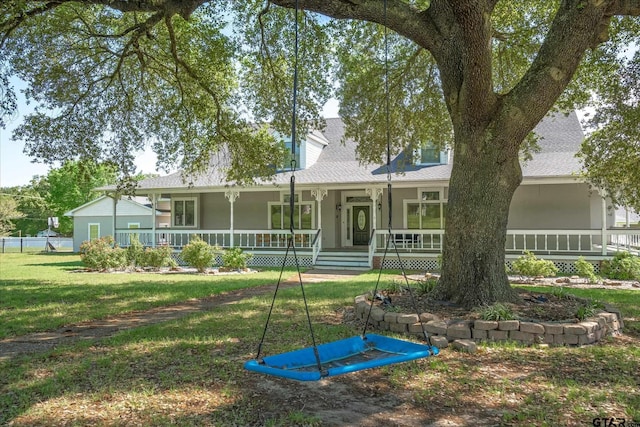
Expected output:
(353, 354)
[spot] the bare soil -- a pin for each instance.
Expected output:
(533, 306)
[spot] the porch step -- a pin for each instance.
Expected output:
(343, 261)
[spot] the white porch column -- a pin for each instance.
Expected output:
(115, 197)
(627, 217)
(154, 202)
(231, 195)
(319, 194)
(604, 224)
(376, 194)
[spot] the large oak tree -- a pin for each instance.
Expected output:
(187, 76)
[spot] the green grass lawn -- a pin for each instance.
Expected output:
(40, 292)
(188, 372)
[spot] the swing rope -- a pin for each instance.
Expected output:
(390, 239)
(291, 239)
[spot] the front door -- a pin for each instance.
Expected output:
(361, 225)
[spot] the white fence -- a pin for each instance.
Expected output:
(30, 244)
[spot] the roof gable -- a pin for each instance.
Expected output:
(103, 206)
(560, 136)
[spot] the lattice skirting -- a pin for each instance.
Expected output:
(424, 264)
(431, 264)
(568, 267)
(260, 260)
(420, 264)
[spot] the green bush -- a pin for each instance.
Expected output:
(135, 251)
(586, 269)
(199, 254)
(157, 257)
(623, 266)
(497, 311)
(560, 292)
(425, 287)
(529, 265)
(100, 254)
(588, 309)
(235, 258)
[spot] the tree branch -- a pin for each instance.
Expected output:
(9, 26)
(627, 7)
(191, 73)
(576, 27)
(403, 18)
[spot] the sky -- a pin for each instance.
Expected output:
(17, 169)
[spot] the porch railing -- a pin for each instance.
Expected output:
(588, 242)
(410, 240)
(246, 239)
(540, 241)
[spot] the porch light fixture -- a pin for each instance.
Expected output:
(379, 206)
(338, 207)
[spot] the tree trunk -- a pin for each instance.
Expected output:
(484, 177)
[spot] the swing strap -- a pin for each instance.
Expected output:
(390, 239)
(291, 239)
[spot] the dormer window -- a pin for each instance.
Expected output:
(429, 154)
(289, 145)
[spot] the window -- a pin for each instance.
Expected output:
(184, 212)
(429, 154)
(280, 214)
(132, 225)
(94, 231)
(288, 145)
(297, 156)
(428, 212)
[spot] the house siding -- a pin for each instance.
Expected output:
(81, 229)
(312, 152)
(251, 211)
(553, 206)
(215, 211)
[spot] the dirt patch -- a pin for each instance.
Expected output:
(533, 306)
(555, 305)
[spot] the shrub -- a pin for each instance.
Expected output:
(497, 311)
(100, 254)
(392, 287)
(425, 287)
(529, 265)
(157, 257)
(586, 269)
(560, 292)
(589, 309)
(198, 253)
(235, 258)
(623, 266)
(135, 251)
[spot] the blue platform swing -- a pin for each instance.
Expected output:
(347, 355)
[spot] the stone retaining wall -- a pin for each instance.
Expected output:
(442, 332)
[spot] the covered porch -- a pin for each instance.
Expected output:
(335, 225)
(411, 243)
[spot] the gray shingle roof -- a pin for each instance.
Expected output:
(560, 138)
